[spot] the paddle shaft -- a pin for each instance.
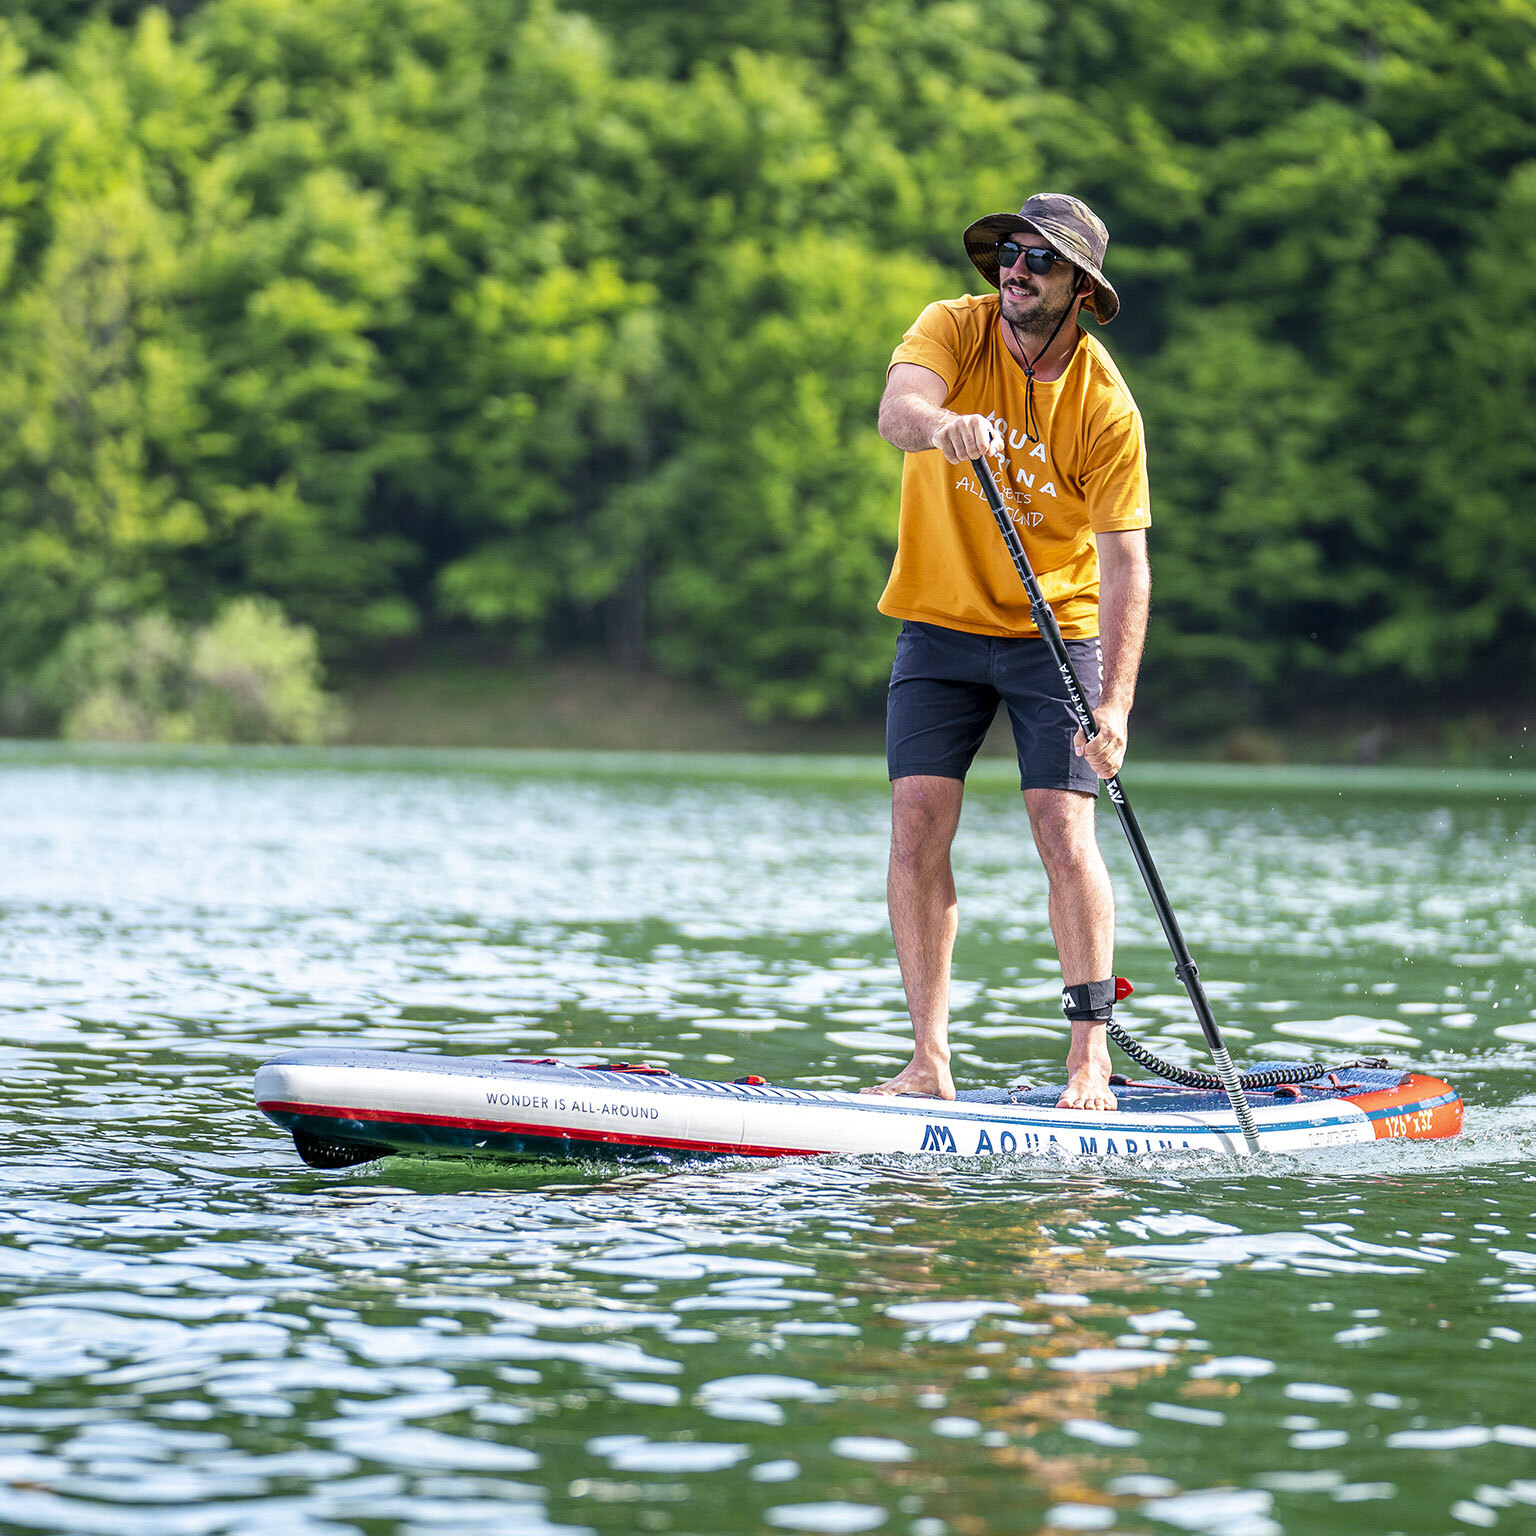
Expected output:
(1184, 966)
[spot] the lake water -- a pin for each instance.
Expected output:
(199, 1334)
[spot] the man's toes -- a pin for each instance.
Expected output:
(1087, 1101)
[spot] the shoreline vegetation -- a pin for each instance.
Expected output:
(455, 700)
(450, 699)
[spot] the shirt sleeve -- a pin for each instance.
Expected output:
(1115, 478)
(934, 342)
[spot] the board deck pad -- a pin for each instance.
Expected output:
(346, 1106)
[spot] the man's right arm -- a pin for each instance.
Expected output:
(913, 417)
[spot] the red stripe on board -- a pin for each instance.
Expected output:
(552, 1132)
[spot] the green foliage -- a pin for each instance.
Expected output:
(121, 682)
(550, 316)
(255, 676)
(249, 676)
(783, 504)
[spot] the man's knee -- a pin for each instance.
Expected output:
(925, 811)
(1063, 829)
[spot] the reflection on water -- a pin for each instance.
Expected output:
(201, 1335)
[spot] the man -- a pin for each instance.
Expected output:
(1011, 377)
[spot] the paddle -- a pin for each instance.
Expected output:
(1184, 964)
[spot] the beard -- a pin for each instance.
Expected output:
(1039, 319)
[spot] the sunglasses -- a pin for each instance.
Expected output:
(1036, 257)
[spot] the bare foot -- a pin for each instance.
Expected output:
(1088, 1088)
(929, 1079)
(1087, 1069)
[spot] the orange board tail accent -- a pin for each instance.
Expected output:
(1409, 1111)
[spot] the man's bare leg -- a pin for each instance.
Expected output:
(1082, 910)
(925, 811)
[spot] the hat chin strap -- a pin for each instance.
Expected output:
(1031, 421)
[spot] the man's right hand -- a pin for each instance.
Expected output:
(963, 438)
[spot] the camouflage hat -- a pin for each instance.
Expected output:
(1069, 225)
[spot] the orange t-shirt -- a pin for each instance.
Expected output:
(1086, 475)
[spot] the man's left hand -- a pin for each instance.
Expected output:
(1106, 752)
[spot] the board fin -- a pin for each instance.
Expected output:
(320, 1153)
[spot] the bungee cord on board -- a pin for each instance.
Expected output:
(1257, 1082)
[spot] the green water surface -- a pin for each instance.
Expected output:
(199, 1334)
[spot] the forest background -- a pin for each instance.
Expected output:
(375, 326)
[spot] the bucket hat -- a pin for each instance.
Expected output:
(1069, 225)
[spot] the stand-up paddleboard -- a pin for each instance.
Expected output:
(350, 1106)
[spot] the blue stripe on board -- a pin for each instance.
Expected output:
(1408, 1109)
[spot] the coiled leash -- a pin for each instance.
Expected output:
(1095, 1002)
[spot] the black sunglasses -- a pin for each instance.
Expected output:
(1036, 257)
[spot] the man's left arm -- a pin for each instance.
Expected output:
(1125, 595)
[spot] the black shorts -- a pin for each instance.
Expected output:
(945, 689)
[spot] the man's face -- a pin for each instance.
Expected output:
(1035, 301)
